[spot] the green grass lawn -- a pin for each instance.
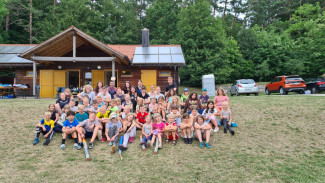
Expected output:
(278, 139)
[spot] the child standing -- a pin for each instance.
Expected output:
(210, 114)
(186, 128)
(81, 116)
(141, 116)
(147, 132)
(112, 132)
(171, 130)
(88, 129)
(202, 131)
(69, 128)
(45, 126)
(157, 130)
(129, 129)
(226, 118)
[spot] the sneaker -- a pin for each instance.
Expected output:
(122, 148)
(91, 145)
(201, 144)
(149, 142)
(224, 130)
(216, 130)
(36, 141)
(186, 140)
(147, 145)
(113, 149)
(75, 145)
(110, 143)
(46, 142)
(190, 140)
(131, 139)
(207, 144)
(62, 146)
(142, 142)
(79, 146)
(232, 132)
(104, 139)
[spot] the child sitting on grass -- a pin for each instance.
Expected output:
(112, 132)
(186, 128)
(63, 117)
(177, 115)
(99, 101)
(95, 107)
(175, 102)
(103, 118)
(141, 116)
(210, 114)
(127, 102)
(72, 105)
(85, 103)
(202, 130)
(139, 103)
(146, 132)
(171, 130)
(69, 128)
(45, 126)
(153, 104)
(88, 129)
(129, 129)
(81, 115)
(154, 111)
(162, 107)
(226, 118)
(157, 130)
(113, 107)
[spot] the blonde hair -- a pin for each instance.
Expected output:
(127, 107)
(225, 103)
(155, 116)
(140, 99)
(81, 106)
(178, 101)
(47, 113)
(117, 100)
(130, 114)
(170, 116)
(222, 90)
(88, 86)
(66, 107)
(126, 95)
(102, 107)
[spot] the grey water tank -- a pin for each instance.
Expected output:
(209, 83)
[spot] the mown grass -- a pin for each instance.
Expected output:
(278, 139)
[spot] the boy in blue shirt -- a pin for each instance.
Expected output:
(45, 126)
(81, 115)
(69, 128)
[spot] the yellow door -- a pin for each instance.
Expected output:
(149, 77)
(97, 75)
(46, 84)
(58, 80)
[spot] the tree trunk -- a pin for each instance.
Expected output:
(7, 22)
(31, 23)
(224, 10)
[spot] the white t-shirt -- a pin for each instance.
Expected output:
(104, 96)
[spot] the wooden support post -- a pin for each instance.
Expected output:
(74, 44)
(113, 68)
(34, 77)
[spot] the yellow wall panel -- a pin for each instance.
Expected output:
(46, 83)
(149, 77)
(97, 75)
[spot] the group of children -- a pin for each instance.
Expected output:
(156, 118)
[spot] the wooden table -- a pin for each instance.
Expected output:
(11, 90)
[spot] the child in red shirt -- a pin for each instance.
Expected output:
(171, 129)
(141, 116)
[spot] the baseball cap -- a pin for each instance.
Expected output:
(185, 89)
(113, 115)
(204, 89)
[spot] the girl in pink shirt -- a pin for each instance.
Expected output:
(220, 98)
(157, 130)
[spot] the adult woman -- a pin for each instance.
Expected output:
(87, 91)
(158, 94)
(99, 88)
(152, 92)
(127, 87)
(144, 95)
(139, 87)
(193, 101)
(220, 98)
(133, 96)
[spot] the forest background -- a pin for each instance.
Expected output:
(231, 39)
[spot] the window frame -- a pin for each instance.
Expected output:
(128, 75)
(165, 75)
(29, 75)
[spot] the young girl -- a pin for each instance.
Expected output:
(128, 103)
(193, 116)
(175, 102)
(192, 101)
(120, 95)
(210, 114)
(103, 119)
(99, 88)
(129, 129)
(220, 98)
(157, 130)
(139, 103)
(86, 104)
(55, 117)
(152, 104)
(72, 105)
(226, 118)
(154, 111)
(177, 116)
(171, 130)
(152, 92)
(133, 96)
(186, 128)
(118, 104)
(162, 107)
(202, 131)
(147, 132)
(170, 95)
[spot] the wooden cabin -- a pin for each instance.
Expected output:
(73, 58)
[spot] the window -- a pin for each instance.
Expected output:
(164, 73)
(29, 73)
(88, 76)
(126, 74)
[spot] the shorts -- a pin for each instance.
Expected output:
(89, 134)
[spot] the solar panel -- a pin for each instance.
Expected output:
(165, 59)
(151, 59)
(176, 50)
(139, 59)
(164, 51)
(178, 59)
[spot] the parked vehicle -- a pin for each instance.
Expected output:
(285, 84)
(315, 84)
(244, 86)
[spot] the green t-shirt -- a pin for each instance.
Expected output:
(184, 98)
(114, 109)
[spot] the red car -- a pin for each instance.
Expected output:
(285, 84)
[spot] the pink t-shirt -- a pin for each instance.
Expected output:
(160, 126)
(219, 99)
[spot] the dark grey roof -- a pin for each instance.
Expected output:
(9, 54)
(158, 56)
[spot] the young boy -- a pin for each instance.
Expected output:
(170, 86)
(81, 116)
(103, 118)
(184, 97)
(69, 128)
(112, 132)
(45, 126)
(95, 107)
(99, 101)
(89, 129)
(113, 107)
(186, 128)
(204, 98)
(72, 105)
(141, 116)
(171, 129)
(177, 116)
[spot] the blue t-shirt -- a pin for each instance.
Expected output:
(204, 99)
(73, 124)
(81, 117)
(118, 124)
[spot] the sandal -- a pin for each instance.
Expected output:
(174, 142)
(167, 141)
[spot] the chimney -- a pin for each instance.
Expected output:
(145, 37)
